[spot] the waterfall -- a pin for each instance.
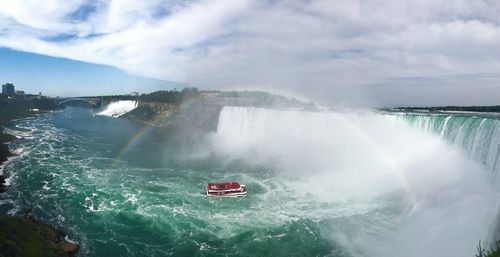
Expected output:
(118, 108)
(432, 189)
(478, 136)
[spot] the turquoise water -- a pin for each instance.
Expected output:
(121, 190)
(71, 175)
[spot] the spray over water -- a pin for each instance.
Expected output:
(118, 108)
(402, 190)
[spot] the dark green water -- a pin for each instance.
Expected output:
(324, 188)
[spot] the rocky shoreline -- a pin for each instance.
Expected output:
(24, 235)
(5, 153)
(3, 186)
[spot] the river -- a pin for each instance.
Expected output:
(320, 184)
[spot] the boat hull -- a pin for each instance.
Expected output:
(227, 189)
(227, 194)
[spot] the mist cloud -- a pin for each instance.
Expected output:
(349, 52)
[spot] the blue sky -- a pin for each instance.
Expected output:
(52, 76)
(336, 52)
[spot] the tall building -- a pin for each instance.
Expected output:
(8, 89)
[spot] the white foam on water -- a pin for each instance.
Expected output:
(346, 165)
(8, 180)
(66, 238)
(118, 108)
(19, 133)
(45, 185)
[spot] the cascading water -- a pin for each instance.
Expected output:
(478, 136)
(118, 108)
(431, 199)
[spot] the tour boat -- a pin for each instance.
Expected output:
(229, 189)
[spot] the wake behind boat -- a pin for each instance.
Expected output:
(228, 189)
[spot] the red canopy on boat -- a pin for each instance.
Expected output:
(223, 186)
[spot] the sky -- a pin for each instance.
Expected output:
(51, 76)
(336, 52)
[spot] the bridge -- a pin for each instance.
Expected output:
(92, 101)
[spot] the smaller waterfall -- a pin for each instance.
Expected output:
(117, 109)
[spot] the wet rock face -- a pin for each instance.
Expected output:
(22, 236)
(56, 237)
(25, 211)
(3, 187)
(4, 152)
(68, 248)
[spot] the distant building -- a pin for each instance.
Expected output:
(8, 89)
(19, 93)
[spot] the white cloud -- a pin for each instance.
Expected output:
(317, 47)
(43, 15)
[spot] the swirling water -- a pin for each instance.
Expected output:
(344, 189)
